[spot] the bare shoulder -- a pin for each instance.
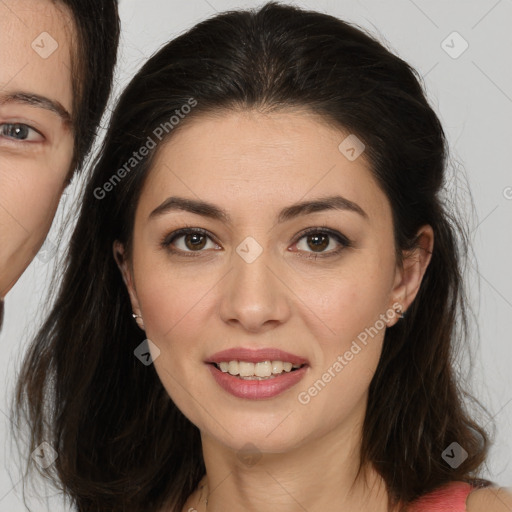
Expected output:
(490, 499)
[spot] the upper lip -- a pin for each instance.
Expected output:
(255, 356)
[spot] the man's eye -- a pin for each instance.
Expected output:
(20, 132)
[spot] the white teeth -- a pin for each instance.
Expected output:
(245, 369)
(260, 370)
(233, 367)
(277, 366)
(263, 369)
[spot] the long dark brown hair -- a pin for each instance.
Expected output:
(122, 444)
(93, 61)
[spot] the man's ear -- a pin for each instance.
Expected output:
(408, 277)
(125, 269)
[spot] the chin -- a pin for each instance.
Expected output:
(265, 434)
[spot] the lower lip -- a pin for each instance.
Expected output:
(257, 389)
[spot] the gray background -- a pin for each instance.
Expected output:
(473, 97)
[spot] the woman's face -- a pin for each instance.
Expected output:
(36, 139)
(255, 284)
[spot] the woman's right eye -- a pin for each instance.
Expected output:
(193, 241)
(20, 132)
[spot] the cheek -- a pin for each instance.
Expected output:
(32, 187)
(25, 219)
(347, 343)
(341, 304)
(30, 206)
(173, 309)
(173, 301)
(347, 357)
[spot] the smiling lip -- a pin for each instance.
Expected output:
(256, 389)
(255, 356)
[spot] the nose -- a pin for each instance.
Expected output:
(254, 296)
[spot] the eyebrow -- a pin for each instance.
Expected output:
(209, 210)
(35, 100)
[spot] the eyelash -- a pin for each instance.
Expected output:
(320, 230)
(19, 141)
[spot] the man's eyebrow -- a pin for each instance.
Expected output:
(35, 100)
(212, 211)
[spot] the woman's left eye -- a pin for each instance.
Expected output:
(20, 132)
(322, 241)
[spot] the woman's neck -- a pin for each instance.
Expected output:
(317, 476)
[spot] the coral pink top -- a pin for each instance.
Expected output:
(448, 498)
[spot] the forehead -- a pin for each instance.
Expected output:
(35, 49)
(255, 160)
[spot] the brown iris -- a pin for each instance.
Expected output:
(320, 241)
(193, 238)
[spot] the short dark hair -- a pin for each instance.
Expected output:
(98, 27)
(111, 411)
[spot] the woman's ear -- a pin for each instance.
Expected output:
(126, 272)
(415, 262)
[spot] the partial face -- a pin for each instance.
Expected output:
(36, 138)
(270, 283)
